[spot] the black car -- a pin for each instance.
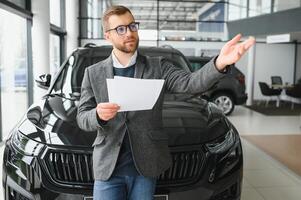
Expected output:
(229, 91)
(47, 156)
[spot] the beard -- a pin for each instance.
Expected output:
(128, 48)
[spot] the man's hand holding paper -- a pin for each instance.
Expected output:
(107, 111)
(133, 94)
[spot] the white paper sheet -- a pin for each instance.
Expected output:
(133, 94)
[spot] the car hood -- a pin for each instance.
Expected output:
(186, 120)
(53, 121)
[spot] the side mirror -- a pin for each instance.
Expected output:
(44, 81)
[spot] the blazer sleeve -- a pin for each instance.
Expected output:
(87, 118)
(180, 81)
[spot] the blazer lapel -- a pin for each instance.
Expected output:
(109, 67)
(106, 73)
(140, 65)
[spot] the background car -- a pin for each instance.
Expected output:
(228, 91)
(47, 156)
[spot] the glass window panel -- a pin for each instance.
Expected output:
(55, 52)
(21, 3)
(212, 12)
(180, 15)
(91, 28)
(285, 5)
(191, 31)
(55, 12)
(237, 9)
(188, 11)
(91, 8)
(236, 12)
(13, 69)
(259, 7)
(179, 10)
(211, 27)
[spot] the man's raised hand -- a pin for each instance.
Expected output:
(232, 51)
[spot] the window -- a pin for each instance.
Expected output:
(20, 3)
(55, 53)
(91, 11)
(57, 35)
(285, 5)
(237, 9)
(55, 12)
(259, 7)
(13, 69)
(162, 19)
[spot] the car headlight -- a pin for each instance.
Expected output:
(227, 152)
(223, 143)
(25, 145)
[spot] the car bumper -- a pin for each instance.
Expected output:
(24, 179)
(241, 99)
(13, 190)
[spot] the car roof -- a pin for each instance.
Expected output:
(207, 59)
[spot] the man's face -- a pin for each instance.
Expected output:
(128, 42)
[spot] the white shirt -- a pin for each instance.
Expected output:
(117, 64)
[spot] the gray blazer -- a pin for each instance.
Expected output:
(149, 143)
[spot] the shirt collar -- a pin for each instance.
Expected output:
(117, 64)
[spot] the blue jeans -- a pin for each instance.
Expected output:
(125, 188)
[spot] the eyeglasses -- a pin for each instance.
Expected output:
(122, 29)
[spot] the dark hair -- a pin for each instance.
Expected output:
(113, 10)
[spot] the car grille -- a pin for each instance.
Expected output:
(69, 167)
(186, 168)
(72, 167)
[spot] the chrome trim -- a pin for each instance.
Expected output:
(11, 183)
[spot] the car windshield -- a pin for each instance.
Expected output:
(197, 64)
(180, 62)
(68, 82)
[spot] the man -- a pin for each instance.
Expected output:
(131, 149)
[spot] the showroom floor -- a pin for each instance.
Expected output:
(264, 177)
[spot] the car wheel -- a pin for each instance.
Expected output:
(225, 102)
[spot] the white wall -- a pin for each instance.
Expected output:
(242, 65)
(210, 48)
(273, 59)
(298, 68)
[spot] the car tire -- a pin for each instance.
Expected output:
(225, 102)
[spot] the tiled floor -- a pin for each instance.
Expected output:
(267, 179)
(249, 122)
(264, 177)
(284, 148)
